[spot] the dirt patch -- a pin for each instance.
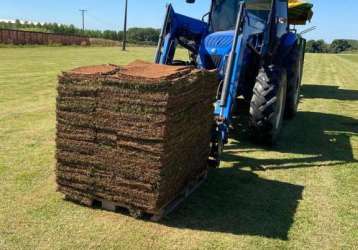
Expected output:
(134, 134)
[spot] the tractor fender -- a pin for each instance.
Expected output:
(289, 39)
(287, 44)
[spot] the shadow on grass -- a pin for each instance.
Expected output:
(319, 139)
(239, 202)
(329, 92)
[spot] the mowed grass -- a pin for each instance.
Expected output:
(302, 193)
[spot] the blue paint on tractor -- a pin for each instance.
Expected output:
(239, 38)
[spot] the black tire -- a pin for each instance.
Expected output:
(268, 105)
(293, 65)
(216, 146)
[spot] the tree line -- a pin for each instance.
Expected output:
(150, 36)
(337, 46)
(135, 35)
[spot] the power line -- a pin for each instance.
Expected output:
(83, 11)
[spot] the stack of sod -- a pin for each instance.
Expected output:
(133, 135)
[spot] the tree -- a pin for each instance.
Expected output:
(18, 24)
(143, 35)
(135, 35)
(111, 35)
(318, 46)
(39, 26)
(339, 46)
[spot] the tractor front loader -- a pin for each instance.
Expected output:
(256, 53)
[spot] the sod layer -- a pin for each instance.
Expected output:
(135, 135)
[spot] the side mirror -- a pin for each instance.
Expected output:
(190, 1)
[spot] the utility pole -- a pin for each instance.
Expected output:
(125, 25)
(83, 11)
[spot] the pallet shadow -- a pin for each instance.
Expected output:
(239, 202)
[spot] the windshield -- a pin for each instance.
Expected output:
(224, 12)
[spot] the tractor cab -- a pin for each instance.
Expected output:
(216, 34)
(222, 22)
(258, 9)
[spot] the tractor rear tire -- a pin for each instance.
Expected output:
(268, 105)
(293, 64)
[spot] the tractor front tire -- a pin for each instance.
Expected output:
(267, 105)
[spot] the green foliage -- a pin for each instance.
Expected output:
(319, 46)
(111, 35)
(337, 46)
(353, 43)
(143, 35)
(134, 35)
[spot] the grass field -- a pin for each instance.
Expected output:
(302, 194)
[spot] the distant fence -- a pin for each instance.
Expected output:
(19, 37)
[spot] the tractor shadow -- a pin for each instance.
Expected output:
(329, 92)
(236, 200)
(318, 139)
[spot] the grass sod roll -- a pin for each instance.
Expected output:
(134, 135)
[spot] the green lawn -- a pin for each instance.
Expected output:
(301, 194)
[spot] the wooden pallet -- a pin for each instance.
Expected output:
(180, 198)
(157, 215)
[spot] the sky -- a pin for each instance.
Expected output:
(333, 18)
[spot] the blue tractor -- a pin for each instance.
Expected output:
(256, 53)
